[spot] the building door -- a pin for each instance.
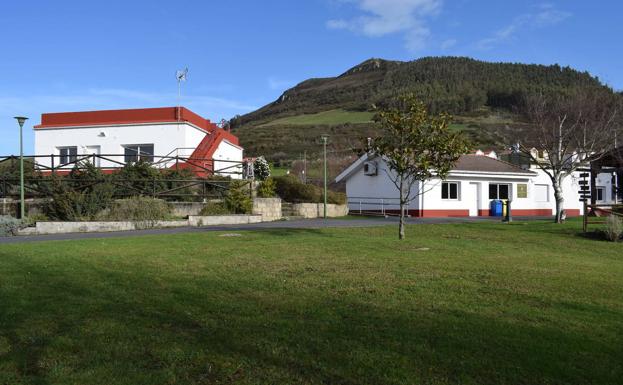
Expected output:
(93, 150)
(474, 199)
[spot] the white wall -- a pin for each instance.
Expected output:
(375, 193)
(227, 151)
(166, 138)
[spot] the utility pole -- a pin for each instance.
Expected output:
(305, 166)
(324, 145)
(20, 121)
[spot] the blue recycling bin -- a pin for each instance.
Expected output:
(497, 208)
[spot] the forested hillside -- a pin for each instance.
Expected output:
(480, 94)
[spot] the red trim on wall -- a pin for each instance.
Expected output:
(133, 116)
(481, 213)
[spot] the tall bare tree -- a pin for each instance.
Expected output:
(570, 131)
(416, 146)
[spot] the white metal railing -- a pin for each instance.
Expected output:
(375, 206)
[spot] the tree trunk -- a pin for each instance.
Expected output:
(559, 201)
(401, 226)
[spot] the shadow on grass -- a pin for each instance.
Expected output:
(111, 326)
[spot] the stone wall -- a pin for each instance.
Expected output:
(268, 208)
(11, 206)
(316, 210)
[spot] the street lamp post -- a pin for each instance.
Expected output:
(324, 145)
(20, 121)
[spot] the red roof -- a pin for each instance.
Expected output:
(133, 116)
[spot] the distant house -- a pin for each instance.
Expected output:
(169, 137)
(470, 187)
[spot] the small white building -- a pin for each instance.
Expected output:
(468, 190)
(168, 137)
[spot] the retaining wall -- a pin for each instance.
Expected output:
(268, 208)
(316, 210)
(223, 220)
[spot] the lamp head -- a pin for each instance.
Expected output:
(21, 120)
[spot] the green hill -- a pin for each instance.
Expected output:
(481, 96)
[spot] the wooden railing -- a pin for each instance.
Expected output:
(596, 214)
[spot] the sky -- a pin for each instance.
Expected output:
(62, 55)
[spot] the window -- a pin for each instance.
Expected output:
(522, 190)
(449, 190)
(601, 192)
(541, 193)
(498, 191)
(136, 152)
(68, 154)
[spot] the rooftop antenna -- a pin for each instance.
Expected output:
(181, 76)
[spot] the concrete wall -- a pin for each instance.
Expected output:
(224, 220)
(268, 208)
(185, 209)
(316, 210)
(165, 137)
(87, 227)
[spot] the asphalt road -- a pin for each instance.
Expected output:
(294, 224)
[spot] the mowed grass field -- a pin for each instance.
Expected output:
(453, 304)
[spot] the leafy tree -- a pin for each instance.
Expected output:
(416, 146)
(571, 130)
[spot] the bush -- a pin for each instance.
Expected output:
(214, 208)
(144, 211)
(614, 228)
(237, 199)
(261, 168)
(290, 189)
(267, 189)
(337, 198)
(82, 195)
(10, 225)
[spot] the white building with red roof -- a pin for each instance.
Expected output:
(168, 137)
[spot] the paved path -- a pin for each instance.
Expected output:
(294, 224)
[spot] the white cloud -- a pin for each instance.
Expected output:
(384, 17)
(546, 15)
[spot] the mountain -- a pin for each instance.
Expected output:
(480, 95)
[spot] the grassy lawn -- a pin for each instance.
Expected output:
(453, 304)
(325, 117)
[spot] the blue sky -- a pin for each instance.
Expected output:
(84, 55)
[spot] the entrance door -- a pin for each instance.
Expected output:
(474, 198)
(90, 150)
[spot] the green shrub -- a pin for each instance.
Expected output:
(238, 199)
(614, 228)
(337, 198)
(10, 225)
(82, 195)
(144, 211)
(267, 189)
(290, 189)
(214, 208)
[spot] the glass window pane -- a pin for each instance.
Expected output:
(454, 191)
(130, 153)
(444, 190)
(493, 191)
(503, 191)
